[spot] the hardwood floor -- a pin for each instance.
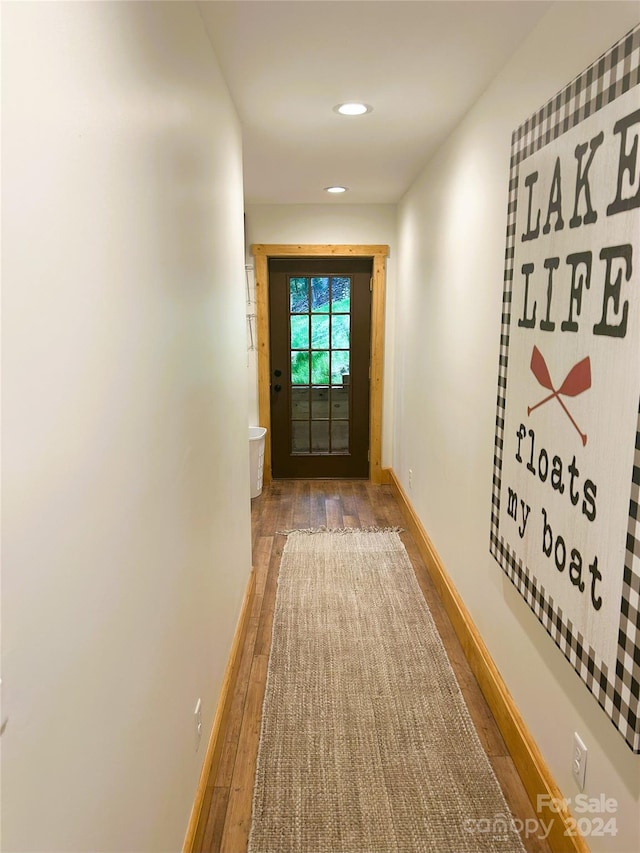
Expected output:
(287, 504)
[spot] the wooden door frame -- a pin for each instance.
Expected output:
(262, 252)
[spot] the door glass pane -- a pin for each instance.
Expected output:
(340, 293)
(320, 327)
(340, 331)
(320, 403)
(300, 437)
(340, 403)
(299, 294)
(300, 403)
(299, 368)
(319, 331)
(340, 367)
(300, 331)
(320, 368)
(320, 436)
(320, 294)
(340, 436)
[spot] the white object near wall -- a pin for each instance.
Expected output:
(256, 458)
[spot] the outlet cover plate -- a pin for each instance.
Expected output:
(579, 760)
(198, 718)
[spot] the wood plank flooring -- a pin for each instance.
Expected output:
(287, 504)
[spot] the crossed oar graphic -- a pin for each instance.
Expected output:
(577, 380)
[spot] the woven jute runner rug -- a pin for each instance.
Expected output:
(366, 743)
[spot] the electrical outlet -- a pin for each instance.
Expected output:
(579, 761)
(198, 716)
(410, 477)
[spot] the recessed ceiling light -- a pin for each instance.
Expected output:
(335, 189)
(352, 109)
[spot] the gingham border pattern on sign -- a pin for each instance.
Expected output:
(613, 74)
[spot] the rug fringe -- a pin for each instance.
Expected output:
(340, 530)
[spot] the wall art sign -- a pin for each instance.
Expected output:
(564, 524)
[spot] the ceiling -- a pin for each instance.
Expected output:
(420, 64)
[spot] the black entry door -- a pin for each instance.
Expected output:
(320, 329)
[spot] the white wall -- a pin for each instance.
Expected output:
(126, 525)
(450, 269)
(325, 224)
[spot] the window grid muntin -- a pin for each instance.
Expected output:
(303, 302)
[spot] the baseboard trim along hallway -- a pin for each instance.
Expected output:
(526, 756)
(218, 730)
